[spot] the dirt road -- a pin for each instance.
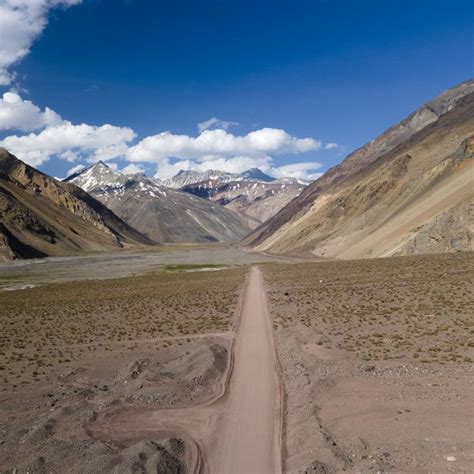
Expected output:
(249, 427)
(239, 432)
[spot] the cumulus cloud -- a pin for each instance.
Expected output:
(214, 122)
(239, 164)
(218, 149)
(23, 115)
(70, 142)
(218, 143)
(212, 149)
(21, 22)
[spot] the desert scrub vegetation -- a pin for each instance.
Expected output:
(50, 326)
(417, 307)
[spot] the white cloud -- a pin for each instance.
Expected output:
(71, 142)
(21, 22)
(218, 143)
(239, 164)
(75, 169)
(304, 170)
(132, 168)
(212, 149)
(70, 156)
(218, 149)
(213, 123)
(19, 114)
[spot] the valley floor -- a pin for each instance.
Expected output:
(166, 362)
(106, 265)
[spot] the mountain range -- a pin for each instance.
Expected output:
(161, 213)
(256, 200)
(411, 190)
(408, 191)
(186, 177)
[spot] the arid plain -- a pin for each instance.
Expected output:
(154, 366)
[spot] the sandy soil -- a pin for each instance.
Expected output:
(48, 330)
(377, 363)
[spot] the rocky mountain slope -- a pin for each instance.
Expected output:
(411, 190)
(161, 213)
(258, 201)
(40, 216)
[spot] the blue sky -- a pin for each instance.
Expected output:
(297, 75)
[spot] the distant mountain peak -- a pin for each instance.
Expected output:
(165, 215)
(257, 174)
(98, 175)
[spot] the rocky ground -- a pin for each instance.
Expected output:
(376, 358)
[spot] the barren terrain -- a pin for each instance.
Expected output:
(377, 363)
(408, 191)
(71, 350)
(136, 375)
(237, 430)
(173, 366)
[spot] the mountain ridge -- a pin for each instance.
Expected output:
(188, 177)
(315, 215)
(41, 216)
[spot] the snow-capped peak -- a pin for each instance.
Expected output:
(186, 178)
(97, 176)
(101, 180)
(256, 174)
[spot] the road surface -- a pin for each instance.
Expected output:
(249, 429)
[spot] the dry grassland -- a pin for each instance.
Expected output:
(419, 307)
(51, 327)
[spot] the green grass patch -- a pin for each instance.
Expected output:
(7, 280)
(188, 267)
